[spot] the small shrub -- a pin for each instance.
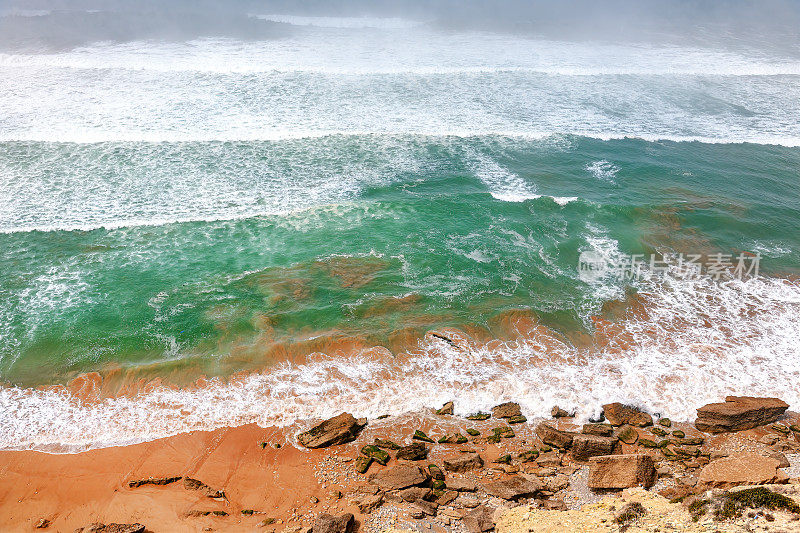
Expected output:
(629, 514)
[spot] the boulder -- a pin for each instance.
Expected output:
(506, 410)
(369, 502)
(446, 409)
(557, 412)
(554, 437)
(586, 446)
(413, 494)
(601, 430)
(413, 452)
(621, 471)
(463, 462)
(337, 430)
(512, 488)
(479, 520)
(627, 434)
(738, 413)
(326, 523)
(373, 452)
(399, 477)
(741, 469)
(618, 414)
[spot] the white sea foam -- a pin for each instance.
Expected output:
(321, 83)
(386, 23)
(702, 340)
(603, 170)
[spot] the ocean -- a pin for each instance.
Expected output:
(209, 231)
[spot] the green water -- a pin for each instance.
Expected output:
(424, 219)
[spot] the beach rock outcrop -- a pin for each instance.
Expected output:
(326, 523)
(463, 463)
(153, 481)
(337, 430)
(621, 471)
(512, 488)
(554, 437)
(506, 410)
(619, 414)
(98, 527)
(586, 446)
(741, 469)
(738, 413)
(399, 477)
(196, 484)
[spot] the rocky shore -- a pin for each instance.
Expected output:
(735, 468)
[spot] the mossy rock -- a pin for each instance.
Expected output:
(647, 443)
(761, 498)
(691, 441)
(517, 419)
(437, 493)
(494, 439)
(504, 459)
(443, 440)
(528, 456)
(669, 454)
(381, 456)
(545, 449)
(419, 435)
(436, 472)
(663, 443)
(263, 444)
(247, 512)
(362, 463)
(473, 432)
(658, 431)
(780, 428)
(628, 435)
(479, 416)
(219, 513)
(386, 444)
(382, 417)
(666, 422)
(678, 434)
(461, 439)
(504, 432)
(438, 484)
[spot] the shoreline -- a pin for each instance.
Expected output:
(254, 478)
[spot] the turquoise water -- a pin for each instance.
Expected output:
(472, 230)
(272, 206)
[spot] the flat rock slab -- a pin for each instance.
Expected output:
(399, 477)
(554, 437)
(738, 413)
(413, 452)
(463, 463)
(337, 430)
(512, 488)
(479, 520)
(506, 410)
(742, 469)
(618, 414)
(586, 446)
(621, 471)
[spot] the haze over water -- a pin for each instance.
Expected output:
(200, 191)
